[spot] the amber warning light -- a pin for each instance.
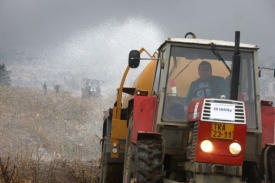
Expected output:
(141, 93)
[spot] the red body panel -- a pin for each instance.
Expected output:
(220, 153)
(143, 115)
(268, 120)
(194, 110)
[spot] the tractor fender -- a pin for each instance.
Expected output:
(143, 116)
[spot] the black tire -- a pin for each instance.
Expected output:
(269, 160)
(109, 172)
(250, 172)
(149, 161)
(129, 160)
(272, 166)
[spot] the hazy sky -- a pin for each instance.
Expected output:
(36, 23)
(81, 38)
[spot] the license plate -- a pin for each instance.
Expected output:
(222, 131)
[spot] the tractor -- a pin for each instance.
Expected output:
(91, 88)
(159, 131)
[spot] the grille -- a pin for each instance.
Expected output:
(238, 114)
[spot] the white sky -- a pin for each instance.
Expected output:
(38, 23)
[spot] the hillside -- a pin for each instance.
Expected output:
(48, 129)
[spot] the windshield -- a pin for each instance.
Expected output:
(199, 73)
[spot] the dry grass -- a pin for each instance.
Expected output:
(47, 137)
(28, 170)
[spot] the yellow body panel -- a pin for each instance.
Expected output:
(144, 81)
(119, 129)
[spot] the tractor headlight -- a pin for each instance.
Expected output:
(235, 148)
(206, 146)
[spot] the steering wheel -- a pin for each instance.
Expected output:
(205, 92)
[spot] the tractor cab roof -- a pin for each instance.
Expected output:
(208, 42)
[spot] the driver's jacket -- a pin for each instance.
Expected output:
(216, 82)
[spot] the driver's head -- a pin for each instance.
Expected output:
(205, 70)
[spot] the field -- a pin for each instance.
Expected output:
(49, 138)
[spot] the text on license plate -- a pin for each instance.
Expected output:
(222, 131)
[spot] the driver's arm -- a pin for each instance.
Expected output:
(193, 87)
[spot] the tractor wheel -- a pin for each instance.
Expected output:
(250, 172)
(148, 161)
(129, 159)
(110, 172)
(269, 160)
(272, 165)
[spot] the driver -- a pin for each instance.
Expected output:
(202, 87)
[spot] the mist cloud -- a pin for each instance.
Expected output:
(55, 39)
(99, 52)
(102, 52)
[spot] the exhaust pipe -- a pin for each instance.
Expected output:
(235, 71)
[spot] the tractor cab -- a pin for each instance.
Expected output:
(91, 88)
(184, 81)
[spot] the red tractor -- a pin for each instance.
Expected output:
(167, 130)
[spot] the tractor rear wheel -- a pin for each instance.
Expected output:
(130, 149)
(272, 165)
(149, 161)
(143, 160)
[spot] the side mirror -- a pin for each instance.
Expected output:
(134, 59)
